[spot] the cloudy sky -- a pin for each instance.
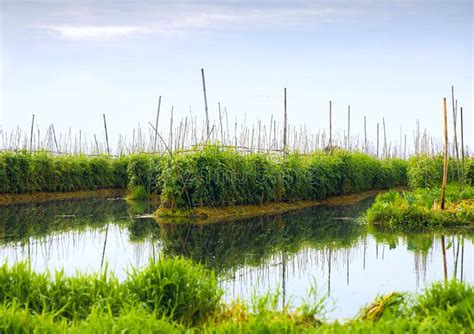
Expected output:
(69, 62)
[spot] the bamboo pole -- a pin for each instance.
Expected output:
(330, 125)
(96, 144)
(205, 103)
(220, 123)
(445, 162)
(365, 134)
(378, 139)
(285, 124)
(106, 134)
(385, 152)
(156, 123)
(162, 140)
(54, 137)
(454, 103)
(349, 128)
(170, 145)
(405, 148)
(31, 132)
(462, 150)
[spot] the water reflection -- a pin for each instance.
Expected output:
(327, 245)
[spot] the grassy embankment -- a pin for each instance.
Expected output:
(178, 296)
(420, 208)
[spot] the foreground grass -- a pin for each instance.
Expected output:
(421, 208)
(178, 296)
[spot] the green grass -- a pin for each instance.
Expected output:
(420, 208)
(175, 289)
(178, 296)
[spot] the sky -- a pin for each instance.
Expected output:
(69, 62)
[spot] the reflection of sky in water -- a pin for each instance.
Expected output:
(351, 285)
(357, 274)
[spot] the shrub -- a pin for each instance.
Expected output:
(176, 288)
(421, 208)
(24, 172)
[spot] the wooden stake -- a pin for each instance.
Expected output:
(156, 123)
(31, 132)
(205, 103)
(445, 162)
(285, 124)
(330, 125)
(162, 140)
(405, 148)
(384, 139)
(462, 151)
(220, 123)
(106, 134)
(455, 133)
(55, 141)
(378, 139)
(96, 144)
(365, 134)
(170, 145)
(349, 128)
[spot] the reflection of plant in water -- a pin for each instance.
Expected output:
(20, 222)
(227, 246)
(141, 229)
(421, 241)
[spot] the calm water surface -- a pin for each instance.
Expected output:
(327, 247)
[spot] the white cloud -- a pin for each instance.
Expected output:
(97, 32)
(178, 22)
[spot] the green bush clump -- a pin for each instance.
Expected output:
(25, 172)
(175, 289)
(421, 208)
(144, 172)
(218, 177)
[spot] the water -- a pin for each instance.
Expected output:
(326, 247)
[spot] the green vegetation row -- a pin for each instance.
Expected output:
(420, 208)
(215, 177)
(178, 296)
(24, 172)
